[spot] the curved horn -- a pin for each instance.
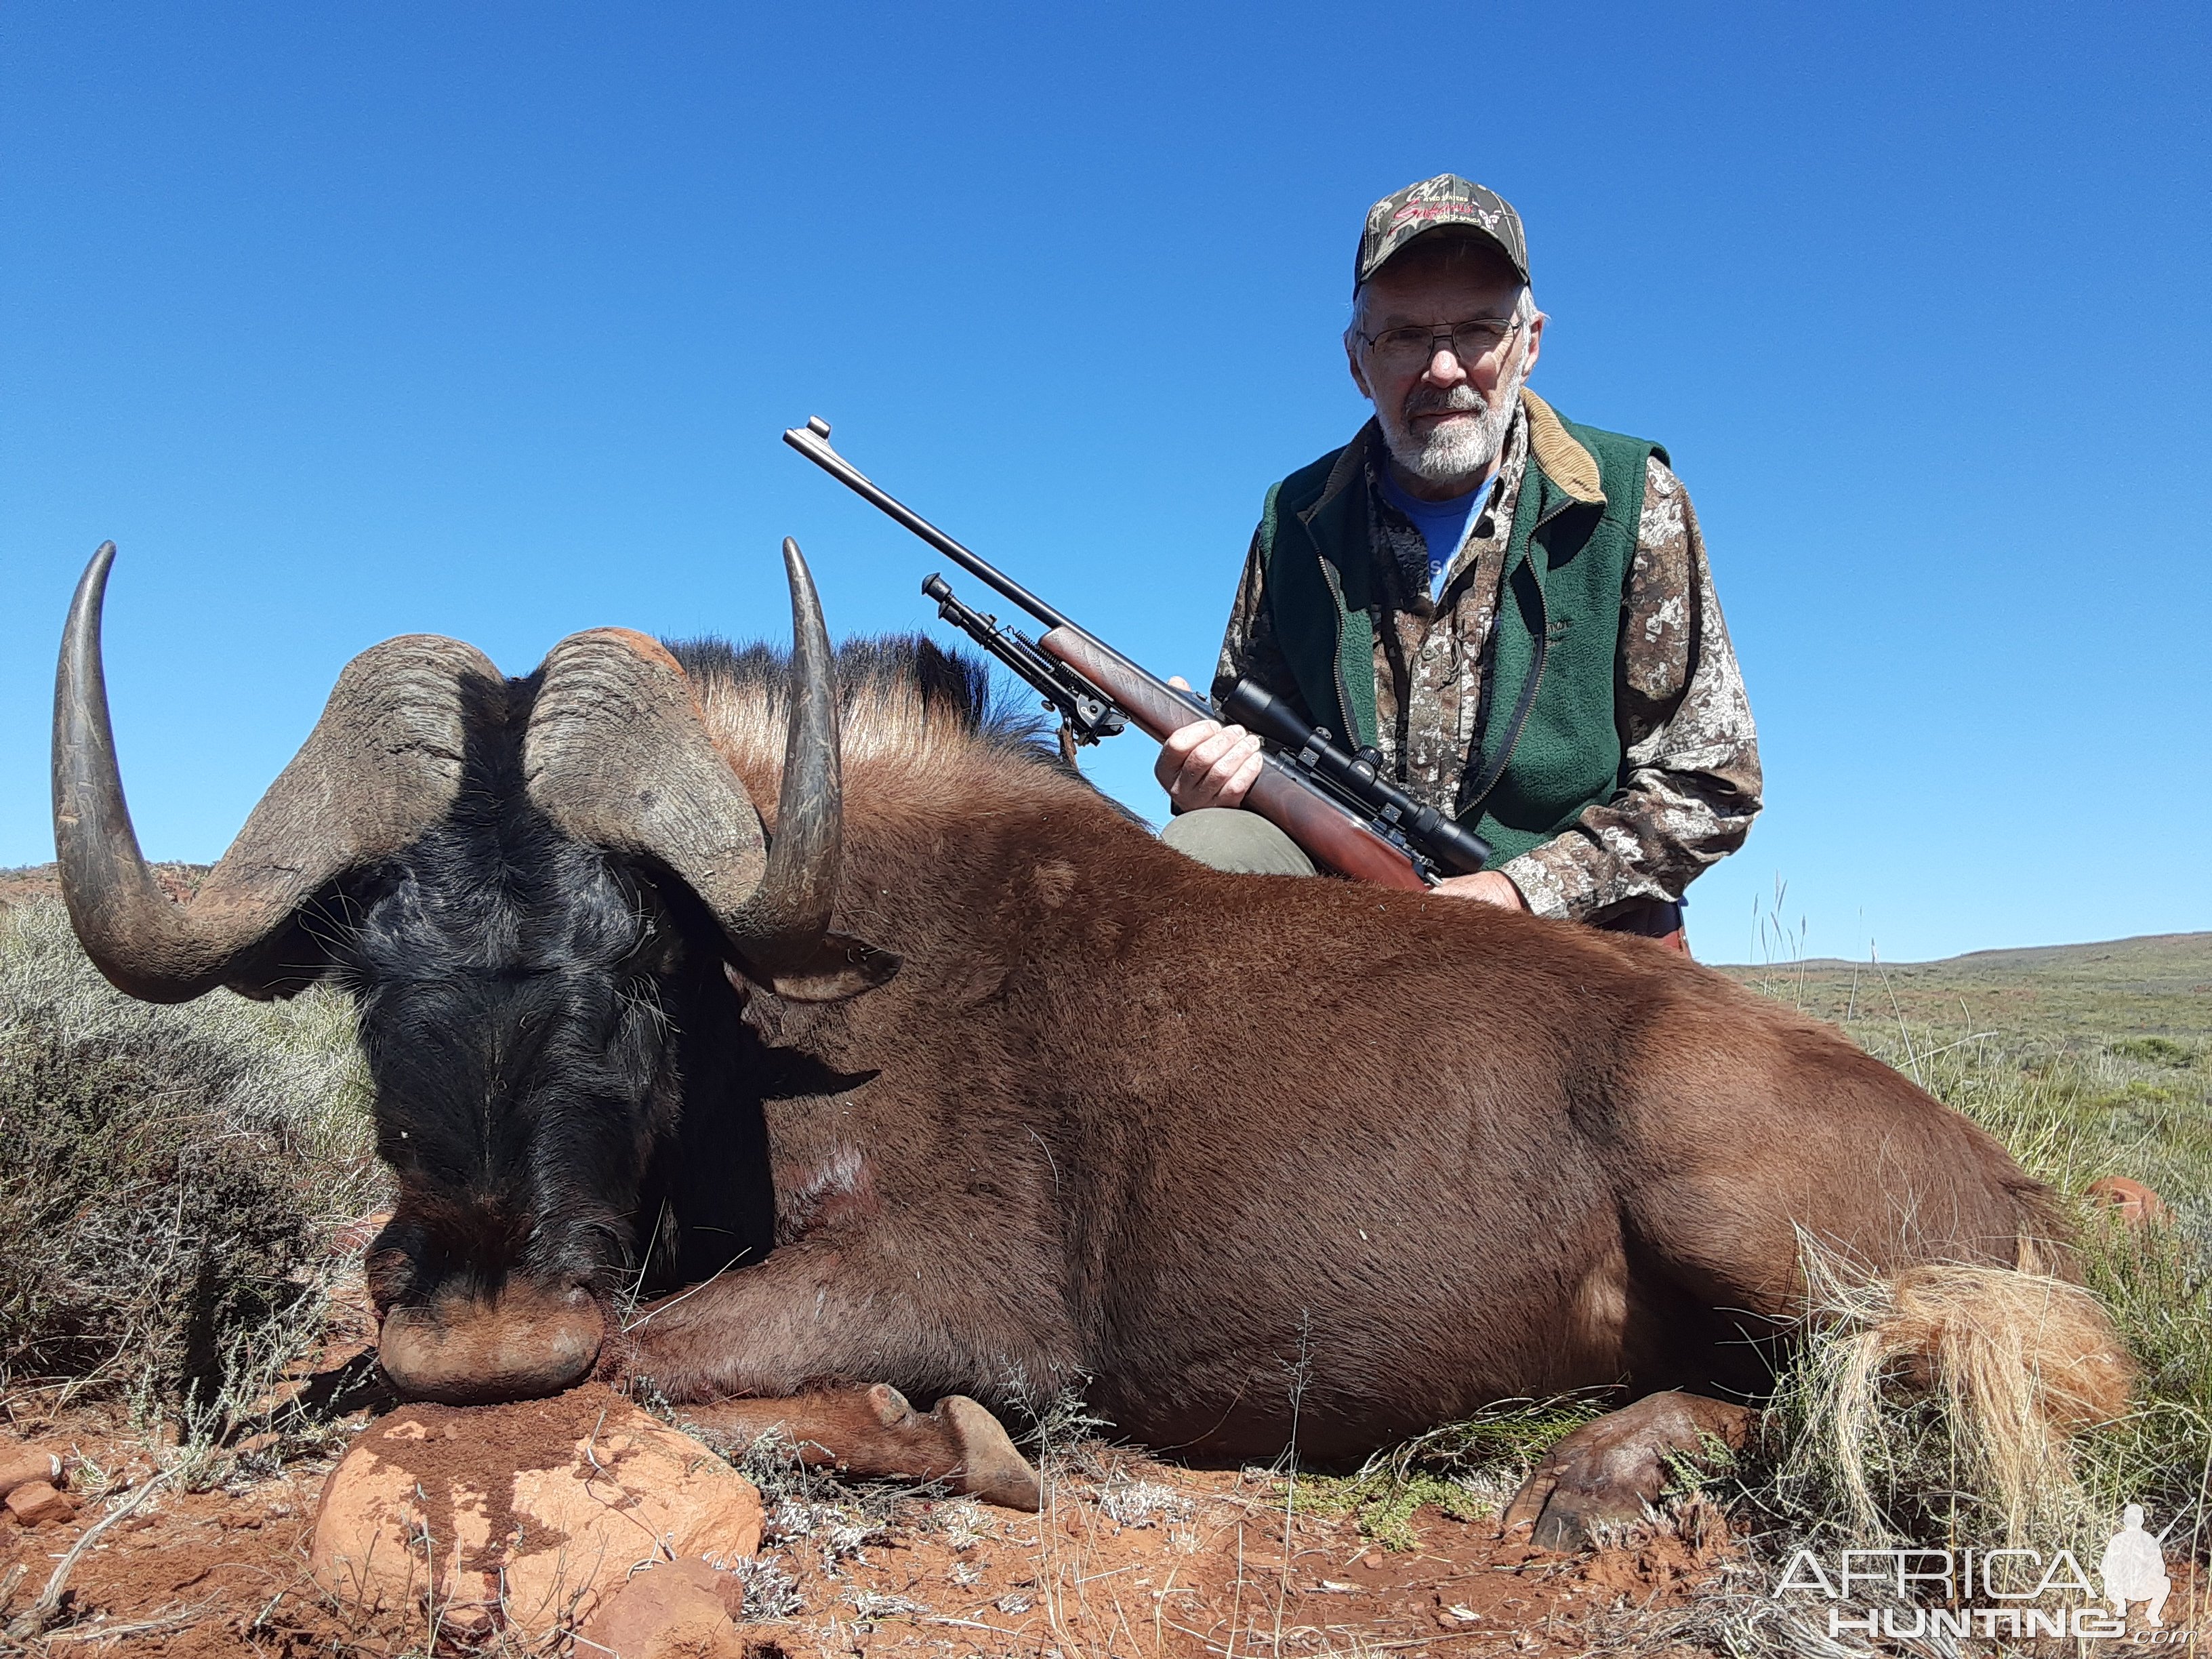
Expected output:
(784, 922)
(618, 754)
(382, 764)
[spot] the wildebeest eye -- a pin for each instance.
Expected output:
(658, 948)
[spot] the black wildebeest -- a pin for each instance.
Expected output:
(1118, 1122)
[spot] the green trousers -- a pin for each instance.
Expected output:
(1243, 843)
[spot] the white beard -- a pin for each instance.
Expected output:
(1456, 450)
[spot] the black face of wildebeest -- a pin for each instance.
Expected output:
(532, 887)
(520, 993)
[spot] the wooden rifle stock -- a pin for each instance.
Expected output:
(1324, 829)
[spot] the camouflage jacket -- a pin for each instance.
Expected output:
(1692, 785)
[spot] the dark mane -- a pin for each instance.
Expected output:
(896, 693)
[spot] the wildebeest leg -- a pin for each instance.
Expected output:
(858, 1306)
(1606, 1472)
(797, 1339)
(874, 1432)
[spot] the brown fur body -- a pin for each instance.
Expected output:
(1219, 1149)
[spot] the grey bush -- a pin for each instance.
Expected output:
(169, 1178)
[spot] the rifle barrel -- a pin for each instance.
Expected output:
(812, 441)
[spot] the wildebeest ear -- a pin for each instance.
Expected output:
(839, 967)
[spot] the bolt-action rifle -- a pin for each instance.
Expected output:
(1334, 805)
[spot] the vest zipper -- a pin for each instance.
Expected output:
(1496, 771)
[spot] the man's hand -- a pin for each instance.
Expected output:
(1207, 764)
(1484, 887)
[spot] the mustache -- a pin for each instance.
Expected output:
(1444, 400)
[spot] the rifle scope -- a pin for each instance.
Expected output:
(1460, 850)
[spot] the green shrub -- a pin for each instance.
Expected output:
(1466, 1469)
(2154, 1051)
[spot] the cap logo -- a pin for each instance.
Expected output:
(1454, 211)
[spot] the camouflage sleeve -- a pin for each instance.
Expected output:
(1693, 778)
(1249, 650)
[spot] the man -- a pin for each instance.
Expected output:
(1514, 610)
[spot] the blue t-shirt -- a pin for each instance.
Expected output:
(1443, 524)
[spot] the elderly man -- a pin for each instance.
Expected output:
(1514, 610)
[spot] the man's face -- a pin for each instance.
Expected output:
(1444, 418)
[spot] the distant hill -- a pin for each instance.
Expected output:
(2186, 952)
(2160, 984)
(43, 881)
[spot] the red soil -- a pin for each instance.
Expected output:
(1198, 1564)
(1213, 1566)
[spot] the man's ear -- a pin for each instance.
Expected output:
(1535, 345)
(1352, 362)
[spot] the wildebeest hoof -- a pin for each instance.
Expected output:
(1608, 1472)
(990, 1467)
(874, 1432)
(985, 1464)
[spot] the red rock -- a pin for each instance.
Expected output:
(555, 1501)
(672, 1610)
(21, 1468)
(2138, 1205)
(36, 1501)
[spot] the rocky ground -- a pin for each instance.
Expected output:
(1129, 1557)
(152, 1549)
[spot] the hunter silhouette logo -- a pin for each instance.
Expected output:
(2134, 1568)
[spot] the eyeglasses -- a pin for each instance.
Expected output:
(1412, 346)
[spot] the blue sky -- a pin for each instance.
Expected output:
(483, 320)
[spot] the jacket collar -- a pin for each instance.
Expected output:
(1563, 459)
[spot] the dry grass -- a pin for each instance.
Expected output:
(169, 1180)
(1942, 1401)
(2085, 1061)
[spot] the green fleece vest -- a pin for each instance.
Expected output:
(1549, 734)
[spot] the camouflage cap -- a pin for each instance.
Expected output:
(1445, 202)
